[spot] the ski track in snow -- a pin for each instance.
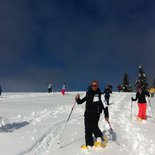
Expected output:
(49, 140)
(45, 140)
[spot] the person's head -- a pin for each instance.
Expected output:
(94, 85)
(107, 86)
(139, 89)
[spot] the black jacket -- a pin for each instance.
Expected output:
(93, 103)
(141, 97)
(107, 92)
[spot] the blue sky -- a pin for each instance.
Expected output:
(74, 41)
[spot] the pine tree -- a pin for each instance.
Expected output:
(126, 84)
(142, 80)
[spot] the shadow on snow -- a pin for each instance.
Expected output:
(111, 135)
(10, 127)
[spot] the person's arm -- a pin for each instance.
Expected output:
(106, 114)
(135, 98)
(147, 94)
(105, 108)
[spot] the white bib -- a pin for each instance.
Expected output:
(96, 98)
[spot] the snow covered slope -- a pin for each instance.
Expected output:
(31, 124)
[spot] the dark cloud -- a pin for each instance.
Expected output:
(17, 29)
(74, 41)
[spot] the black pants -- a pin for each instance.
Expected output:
(49, 90)
(107, 100)
(91, 127)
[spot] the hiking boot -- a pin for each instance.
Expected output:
(84, 147)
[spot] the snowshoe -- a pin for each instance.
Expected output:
(98, 144)
(101, 143)
(105, 142)
(139, 119)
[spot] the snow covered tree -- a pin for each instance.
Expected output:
(142, 80)
(126, 87)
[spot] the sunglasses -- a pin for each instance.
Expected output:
(94, 85)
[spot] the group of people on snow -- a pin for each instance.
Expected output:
(96, 102)
(50, 87)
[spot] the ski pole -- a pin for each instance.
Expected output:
(110, 126)
(150, 106)
(66, 122)
(149, 102)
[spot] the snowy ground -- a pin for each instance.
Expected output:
(31, 124)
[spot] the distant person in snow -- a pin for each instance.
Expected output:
(50, 87)
(94, 107)
(119, 88)
(140, 95)
(63, 90)
(0, 90)
(106, 93)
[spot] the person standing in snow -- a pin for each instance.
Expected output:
(94, 107)
(63, 90)
(106, 93)
(119, 88)
(50, 85)
(140, 95)
(0, 90)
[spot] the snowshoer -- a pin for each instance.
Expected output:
(106, 93)
(94, 107)
(119, 88)
(0, 90)
(140, 95)
(63, 90)
(50, 87)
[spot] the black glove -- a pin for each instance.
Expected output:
(107, 119)
(77, 97)
(132, 99)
